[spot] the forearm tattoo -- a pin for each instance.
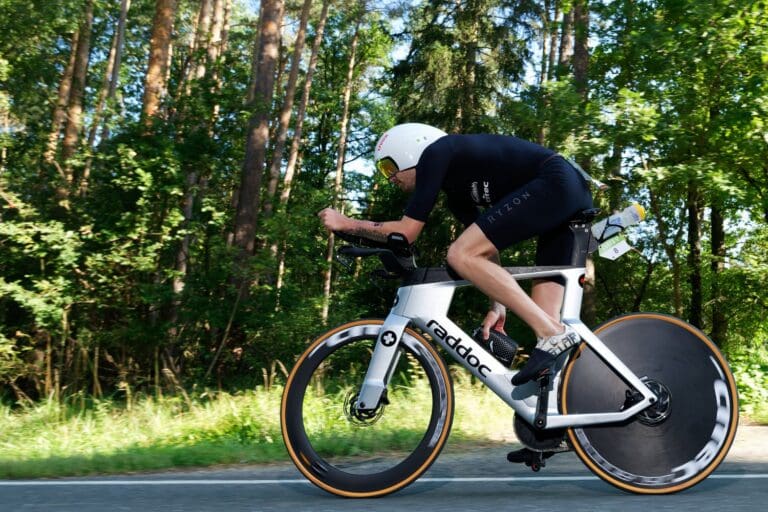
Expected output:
(370, 231)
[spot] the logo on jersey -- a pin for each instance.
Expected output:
(475, 192)
(487, 192)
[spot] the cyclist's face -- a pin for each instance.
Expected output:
(405, 179)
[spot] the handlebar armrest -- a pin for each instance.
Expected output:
(362, 252)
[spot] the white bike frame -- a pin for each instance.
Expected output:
(425, 306)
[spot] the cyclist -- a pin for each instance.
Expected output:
(504, 190)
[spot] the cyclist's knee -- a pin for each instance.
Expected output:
(457, 256)
(471, 244)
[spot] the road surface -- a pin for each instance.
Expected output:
(478, 480)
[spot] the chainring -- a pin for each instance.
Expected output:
(551, 440)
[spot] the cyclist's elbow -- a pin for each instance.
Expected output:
(410, 228)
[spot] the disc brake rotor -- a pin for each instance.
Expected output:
(362, 417)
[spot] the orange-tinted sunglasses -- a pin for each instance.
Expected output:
(387, 167)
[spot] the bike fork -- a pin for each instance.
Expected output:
(383, 362)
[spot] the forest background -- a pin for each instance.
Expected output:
(162, 164)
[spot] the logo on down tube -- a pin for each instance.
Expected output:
(462, 351)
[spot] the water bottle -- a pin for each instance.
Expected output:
(500, 345)
(616, 223)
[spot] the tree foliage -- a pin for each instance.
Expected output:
(132, 283)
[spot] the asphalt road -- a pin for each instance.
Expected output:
(478, 480)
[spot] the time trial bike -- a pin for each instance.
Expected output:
(646, 401)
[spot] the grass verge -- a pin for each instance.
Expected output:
(51, 440)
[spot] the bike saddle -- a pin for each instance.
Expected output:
(585, 216)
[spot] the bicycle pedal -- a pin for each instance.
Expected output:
(536, 465)
(533, 459)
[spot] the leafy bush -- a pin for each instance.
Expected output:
(751, 372)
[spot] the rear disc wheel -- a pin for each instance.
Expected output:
(679, 440)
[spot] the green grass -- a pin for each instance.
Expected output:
(750, 369)
(49, 440)
(52, 440)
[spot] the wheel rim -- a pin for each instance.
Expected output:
(335, 458)
(682, 438)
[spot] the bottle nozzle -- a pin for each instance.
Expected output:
(640, 210)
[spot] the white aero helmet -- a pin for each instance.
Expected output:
(401, 146)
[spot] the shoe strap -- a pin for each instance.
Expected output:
(559, 343)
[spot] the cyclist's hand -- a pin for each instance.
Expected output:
(494, 320)
(333, 220)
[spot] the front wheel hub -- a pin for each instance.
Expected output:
(362, 417)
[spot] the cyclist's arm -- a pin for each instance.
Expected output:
(377, 231)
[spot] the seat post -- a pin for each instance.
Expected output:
(583, 242)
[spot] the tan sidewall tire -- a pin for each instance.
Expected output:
(701, 475)
(302, 464)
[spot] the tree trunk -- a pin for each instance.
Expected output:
(60, 109)
(544, 39)
(76, 96)
(719, 319)
(469, 28)
(197, 182)
(671, 251)
(695, 208)
(209, 64)
(580, 70)
(581, 46)
(338, 185)
(115, 79)
(285, 114)
(216, 40)
(548, 37)
(111, 75)
(282, 65)
(553, 41)
(219, 31)
(159, 55)
(293, 156)
(219, 40)
(251, 94)
(258, 129)
(589, 304)
(202, 38)
(613, 163)
(5, 126)
(566, 43)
